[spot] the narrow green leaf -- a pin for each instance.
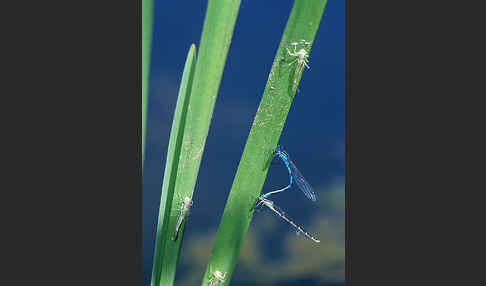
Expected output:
(171, 165)
(146, 48)
(215, 41)
(265, 132)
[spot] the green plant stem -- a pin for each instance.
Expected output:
(146, 48)
(265, 132)
(162, 239)
(215, 41)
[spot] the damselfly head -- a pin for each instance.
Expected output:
(260, 200)
(280, 151)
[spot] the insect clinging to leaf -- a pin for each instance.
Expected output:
(302, 58)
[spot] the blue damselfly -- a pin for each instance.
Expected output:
(294, 173)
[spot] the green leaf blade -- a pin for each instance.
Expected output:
(147, 15)
(215, 39)
(265, 132)
(164, 259)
